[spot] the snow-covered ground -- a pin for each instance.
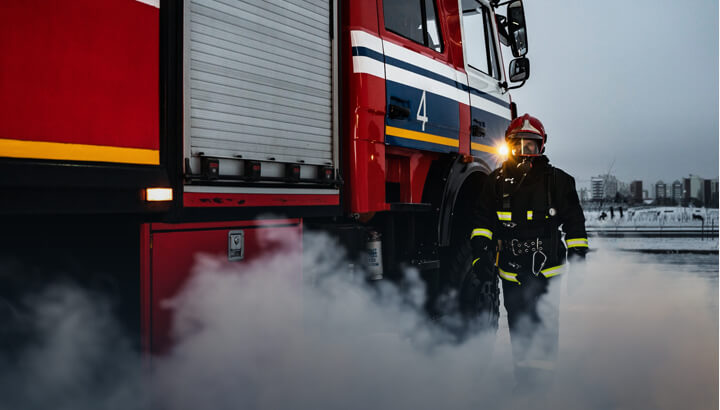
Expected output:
(673, 244)
(654, 217)
(654, 221)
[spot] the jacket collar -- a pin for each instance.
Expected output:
(539, 165)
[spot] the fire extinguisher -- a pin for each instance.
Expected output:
(374, 256)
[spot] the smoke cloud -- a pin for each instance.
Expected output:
(73, 356)
(275, 335)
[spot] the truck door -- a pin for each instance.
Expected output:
(489, 107)
(423, 89)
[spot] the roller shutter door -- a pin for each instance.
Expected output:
(260, 80)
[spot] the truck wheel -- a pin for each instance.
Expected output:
(458, 302)
(464, 306)
(478, 302)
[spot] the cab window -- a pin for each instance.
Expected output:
(479, 39)
(415, 20)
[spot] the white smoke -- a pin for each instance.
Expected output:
(265, 339)
(639, 335)
(74, 356)
(292, 331)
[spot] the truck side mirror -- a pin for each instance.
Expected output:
(516, 28)
(519, 69)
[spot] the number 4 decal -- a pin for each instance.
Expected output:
(423, 107)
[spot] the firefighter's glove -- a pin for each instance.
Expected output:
(577, 255)
(577, 272)
(483, 259)
(484, 267)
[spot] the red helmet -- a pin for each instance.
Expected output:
(523, 133)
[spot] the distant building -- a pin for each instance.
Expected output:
(597, 187)
(623, 189)
(707, 193)
(611, 186)
(661, 197)
(693, 188)
(636, 191)
(604, 186)
(646, 195)
(660, 190)
(677, 192)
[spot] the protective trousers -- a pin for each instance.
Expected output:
(533, 318)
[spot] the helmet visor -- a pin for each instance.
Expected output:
(525, 146)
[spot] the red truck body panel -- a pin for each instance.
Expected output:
(79, 80)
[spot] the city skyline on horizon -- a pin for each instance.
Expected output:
(580, 183)
(690, 190)
(602, 102)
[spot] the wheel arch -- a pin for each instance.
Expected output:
(452, 182)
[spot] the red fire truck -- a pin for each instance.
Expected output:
(137, 133)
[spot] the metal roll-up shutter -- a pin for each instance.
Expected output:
(259, 80)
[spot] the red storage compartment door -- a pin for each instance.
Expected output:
(79, 80)
(170, 254)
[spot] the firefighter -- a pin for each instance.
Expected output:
(526, 206)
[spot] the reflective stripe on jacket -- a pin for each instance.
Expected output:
(547, 272)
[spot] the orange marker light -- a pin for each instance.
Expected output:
(158, 194)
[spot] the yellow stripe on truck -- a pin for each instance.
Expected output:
(485, 148)
(77, 152)
(421, 136)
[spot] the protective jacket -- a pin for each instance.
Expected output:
(522, 215)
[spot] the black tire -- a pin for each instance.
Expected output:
(468, 305)
(460, 303)
(478, 301)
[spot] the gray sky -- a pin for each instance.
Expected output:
(635, 81)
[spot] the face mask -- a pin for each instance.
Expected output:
(526, 147)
